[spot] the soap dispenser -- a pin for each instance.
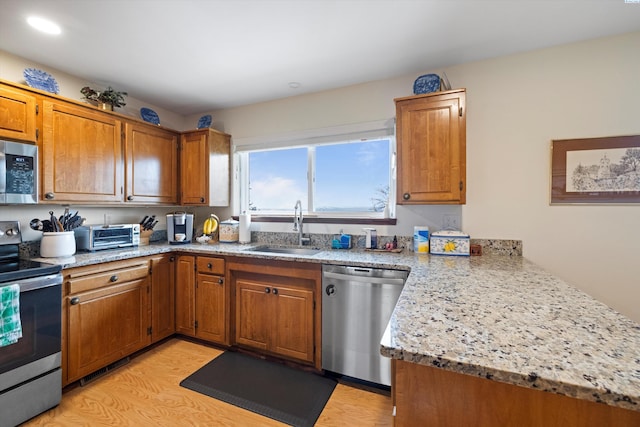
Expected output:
(371, 238)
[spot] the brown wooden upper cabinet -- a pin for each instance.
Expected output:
(17, 114)
(151, 156)
(81, 154)
(431, 139)
(204, 168)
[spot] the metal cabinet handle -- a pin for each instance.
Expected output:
(172, 259)
(113, 278)
(406, 196)
(201, 199)
(49, 196)
(74, 301)
(267, 290)
(221, 280)
(129, 198)
(275, 291)
(209, 266)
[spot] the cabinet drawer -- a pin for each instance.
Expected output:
(107, 278)
(210, 265)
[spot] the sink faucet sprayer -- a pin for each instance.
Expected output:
(297, 223)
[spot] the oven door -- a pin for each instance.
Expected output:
(38, 351)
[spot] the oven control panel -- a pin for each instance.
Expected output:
(10, 233)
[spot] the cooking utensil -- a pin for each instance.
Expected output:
(36, 224)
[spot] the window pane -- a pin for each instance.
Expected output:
(277, 179)
(352, 177)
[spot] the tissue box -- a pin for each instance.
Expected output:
(449, 242)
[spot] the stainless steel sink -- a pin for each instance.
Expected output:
(285, 250)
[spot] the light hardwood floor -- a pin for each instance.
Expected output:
(147, 392)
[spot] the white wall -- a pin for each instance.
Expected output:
(515, 106)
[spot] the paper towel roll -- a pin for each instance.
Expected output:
(245, 228)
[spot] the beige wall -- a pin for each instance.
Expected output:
(12, 67)
(516, 106)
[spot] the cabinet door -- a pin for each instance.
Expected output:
(151, 156)
(185, 295)
(293, 323)
(194, 169)
(105, 325)
(253, 313)
(431, 149)
(210, 308)
(17, 114)
(81, 154)
(163, 319)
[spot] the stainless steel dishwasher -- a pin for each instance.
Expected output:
(356, 306)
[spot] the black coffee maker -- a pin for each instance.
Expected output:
(179, 228)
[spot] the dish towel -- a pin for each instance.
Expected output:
(10, 325)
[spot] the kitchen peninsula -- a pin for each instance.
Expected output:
(500, 320)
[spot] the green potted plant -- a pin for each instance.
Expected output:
(106, 99)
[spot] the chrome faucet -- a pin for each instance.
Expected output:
(297, 223)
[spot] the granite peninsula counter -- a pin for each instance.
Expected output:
(493, 317)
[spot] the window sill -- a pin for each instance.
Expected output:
(325, 220)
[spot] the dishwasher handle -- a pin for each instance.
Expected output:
(364, 279)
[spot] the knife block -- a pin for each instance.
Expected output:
(144, 237)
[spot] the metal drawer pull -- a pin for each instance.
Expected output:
(113, 278)
(221, 280)
(74, 301)
(275, 291)
(209, 266)
(267, 290)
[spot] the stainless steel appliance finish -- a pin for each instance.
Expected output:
(30, 373)
(18, 173)
(98, 237)
(356, 306)
(179, 223)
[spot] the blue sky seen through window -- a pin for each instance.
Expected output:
(348, 177)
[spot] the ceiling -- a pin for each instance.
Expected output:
(194, 56)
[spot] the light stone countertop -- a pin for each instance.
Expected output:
(496, 317)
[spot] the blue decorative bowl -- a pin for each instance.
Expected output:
(204, 122)
(426, 84)
(42, 80)
(148, 115)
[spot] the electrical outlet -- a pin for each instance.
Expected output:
(450, 222)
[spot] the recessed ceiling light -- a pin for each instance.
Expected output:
(294, 85)
(44, 25)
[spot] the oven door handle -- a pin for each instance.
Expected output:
(40, 282)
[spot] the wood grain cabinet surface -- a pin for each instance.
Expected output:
(106, 315)
(151, 156)
(202, 298)
(18, 111)
(431, 140)
(163, 304)
(275, 308)
(204, 168)
(81, 154)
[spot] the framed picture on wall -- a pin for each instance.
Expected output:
(596, 170)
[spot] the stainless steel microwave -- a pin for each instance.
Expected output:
(18, 173)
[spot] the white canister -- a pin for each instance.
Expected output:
(58, 244)
(229, 231)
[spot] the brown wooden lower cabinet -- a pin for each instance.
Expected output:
(275, 307)
(107, 315)
(163, 304)
(429, 396)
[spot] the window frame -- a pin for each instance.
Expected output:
(371, 131)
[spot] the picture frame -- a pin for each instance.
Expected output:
(596, 170)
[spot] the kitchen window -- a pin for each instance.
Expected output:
(337, 177)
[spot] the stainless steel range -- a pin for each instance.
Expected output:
(30, 345)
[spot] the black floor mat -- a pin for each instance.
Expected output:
(270, 389)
